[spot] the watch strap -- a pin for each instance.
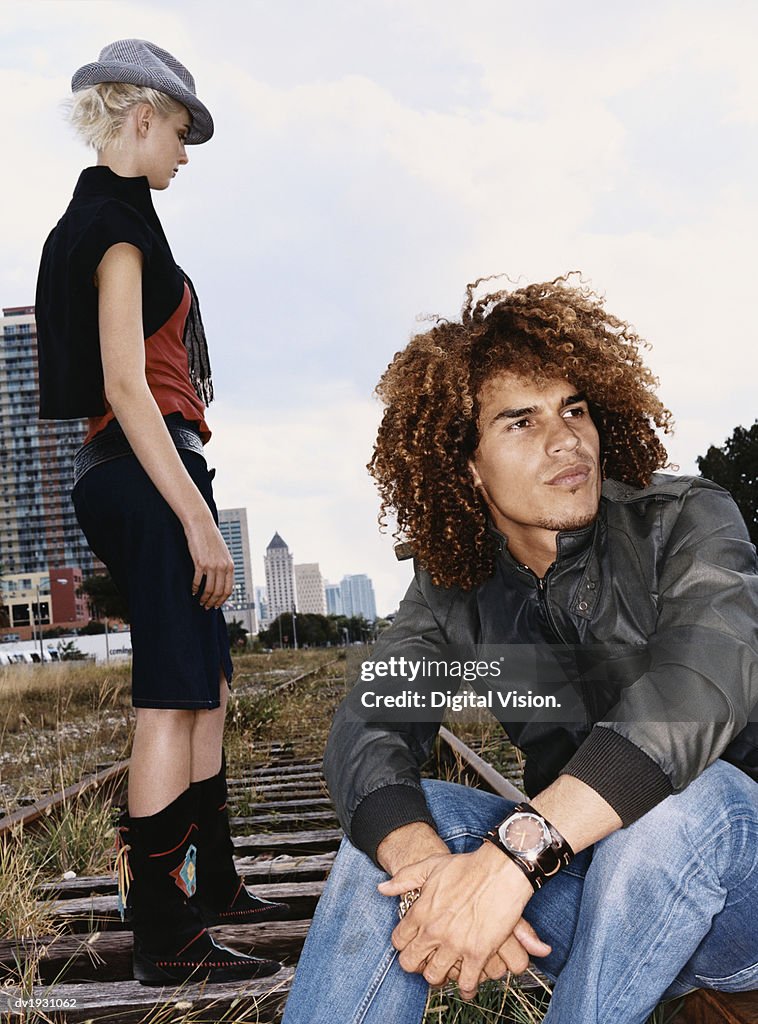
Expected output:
(547, 863)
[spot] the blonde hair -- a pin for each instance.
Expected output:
(99, 113)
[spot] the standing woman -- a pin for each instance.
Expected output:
(121, 342)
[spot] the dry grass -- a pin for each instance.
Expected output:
(496, 1003)
(37, 696)
(505, 1003)
(21, 871)
(269, 670)
(260, 714)
(59, 723)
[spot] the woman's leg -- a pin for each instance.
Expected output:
(160, 764)
(171, 749)
(221, 896)
(162, 836)
(207, 737)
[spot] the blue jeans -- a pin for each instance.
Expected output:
(650, 912)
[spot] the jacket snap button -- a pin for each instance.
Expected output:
(591, 585)
(583, 606)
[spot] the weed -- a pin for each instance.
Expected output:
(76, 837)
(251, 715)
(497, 1002)
(22, 916)
(505, 1002)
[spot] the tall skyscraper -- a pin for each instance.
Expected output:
(333, 595)
(38, 527)
(309, 585)
(358, 596)
(280, 577)
(261, 607)
(232, 522)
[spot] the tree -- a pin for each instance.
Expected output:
(312, 631)
(104, 597)
(735, 466)
(68, 651)
(93, 628)
(237, 633)
(358, 628)
(316, 630)
(55, 631)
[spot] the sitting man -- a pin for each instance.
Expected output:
(518, 452)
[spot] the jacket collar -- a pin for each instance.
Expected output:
(101, 181)
(569, 543)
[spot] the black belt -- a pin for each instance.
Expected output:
(112, 444)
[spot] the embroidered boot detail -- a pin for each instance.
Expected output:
(185, 875)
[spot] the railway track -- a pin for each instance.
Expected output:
(85, 974)
(284, 848)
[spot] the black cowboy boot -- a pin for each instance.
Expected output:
(171, 942)
(221, 896)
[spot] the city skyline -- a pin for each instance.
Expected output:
(285, 578)
(369, 161)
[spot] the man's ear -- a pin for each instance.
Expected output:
(475, 474)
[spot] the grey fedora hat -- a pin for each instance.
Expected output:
(142, 63)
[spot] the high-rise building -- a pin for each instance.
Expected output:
(232, 522)
(261, 607)
(309, 585)
(358, 596)
(38, 527)
(333, 595)
(280, 577)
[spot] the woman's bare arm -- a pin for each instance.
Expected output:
(122, 346)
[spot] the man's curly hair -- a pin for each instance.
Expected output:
(431, 389)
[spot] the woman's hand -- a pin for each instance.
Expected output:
(214, 568)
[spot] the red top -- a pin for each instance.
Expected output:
(167, 373)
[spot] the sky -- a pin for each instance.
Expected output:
(370, 159)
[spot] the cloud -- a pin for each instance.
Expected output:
(369, 161)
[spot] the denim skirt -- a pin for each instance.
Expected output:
(179, 649)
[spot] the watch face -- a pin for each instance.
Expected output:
(525, 835)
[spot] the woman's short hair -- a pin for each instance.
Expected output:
(99, 113)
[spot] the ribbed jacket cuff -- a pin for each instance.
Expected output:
(384, 810)
(623, 775)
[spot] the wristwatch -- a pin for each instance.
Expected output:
(533, 843)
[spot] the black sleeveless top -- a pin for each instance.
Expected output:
(105, 209)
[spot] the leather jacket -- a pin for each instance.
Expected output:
(661, 589)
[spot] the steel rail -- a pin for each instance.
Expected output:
(490, 776)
